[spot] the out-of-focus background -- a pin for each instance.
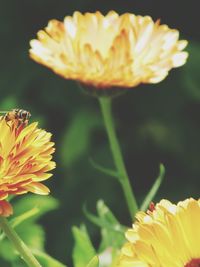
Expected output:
(155, 123)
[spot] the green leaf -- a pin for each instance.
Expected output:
(111, 230)
(46, 260)
(105, 212)
(150, 196)
(6, 264)
(104, 170)
(102, 223)
(19, 263)
(112, 233)
(94, 262)
(7, 251)
(23, 217)
(110, 238)
(83, 250)
(32, 234)
(43, 204)
(20, 219)
(76, 140)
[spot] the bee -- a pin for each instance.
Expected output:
(21, 116)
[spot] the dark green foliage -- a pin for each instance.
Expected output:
(155, 123)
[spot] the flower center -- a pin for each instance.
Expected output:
(193, 263)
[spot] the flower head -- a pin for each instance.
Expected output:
(109, 51)
(168, 236)
(25, 159)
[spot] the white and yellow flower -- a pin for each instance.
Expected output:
(109, 51)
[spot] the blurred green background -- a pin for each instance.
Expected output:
(155, 124)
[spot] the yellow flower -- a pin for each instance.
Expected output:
(168, 236)
(25, 159)
(109, 51)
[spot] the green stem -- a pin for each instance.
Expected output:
(105, 103)
(23, 250)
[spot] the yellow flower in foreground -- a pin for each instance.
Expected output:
(109, 51)
(25, 159)
(169, 236)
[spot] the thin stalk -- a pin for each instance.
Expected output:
(105, 104)
(23, 250)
